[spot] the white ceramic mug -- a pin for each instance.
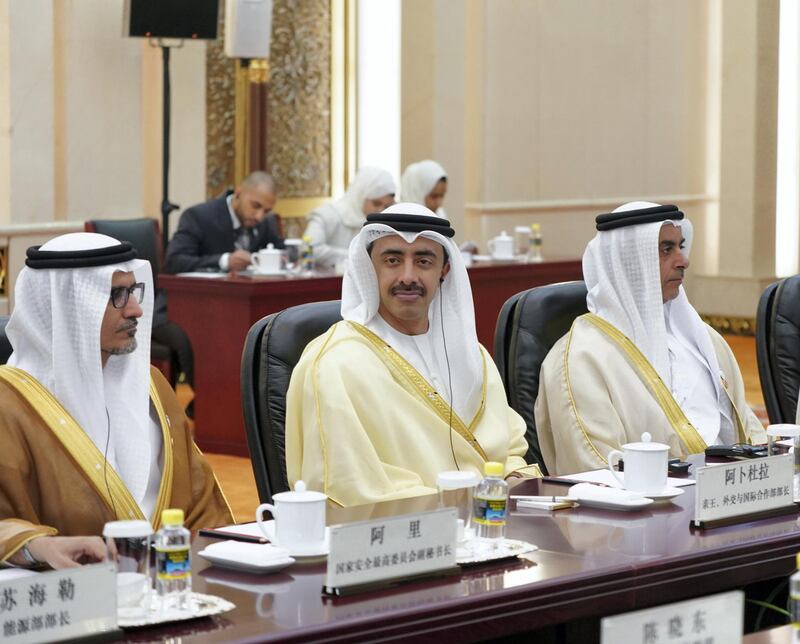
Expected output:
(299, 519)
(267, 260)
(645, 465)
(502, 246)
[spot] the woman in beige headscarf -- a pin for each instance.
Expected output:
(332, 226)
(425, 182)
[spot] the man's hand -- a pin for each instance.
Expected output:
(64, 552)
(238, 260)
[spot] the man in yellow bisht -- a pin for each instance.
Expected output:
(89, 432)
(642, 359)
(400, 390)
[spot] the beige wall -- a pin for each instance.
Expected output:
(555, 111)
(80, 115)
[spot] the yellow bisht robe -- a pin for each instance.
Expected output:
(597, 391)
(363, 426)
(52, 479)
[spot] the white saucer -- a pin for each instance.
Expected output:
(300, 553)
(629, 505)
(280, 271)
(238, 564)
(666, 493)
(593, 496)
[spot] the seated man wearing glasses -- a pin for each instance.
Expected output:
(89, 432)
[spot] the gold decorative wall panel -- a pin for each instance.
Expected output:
(731, 325)
(309, 118)
(220, 114)
(300, 97)
(3, 270)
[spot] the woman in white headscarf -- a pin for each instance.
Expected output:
(425, 182)
(332, 226)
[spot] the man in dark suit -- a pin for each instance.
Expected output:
(220, 234)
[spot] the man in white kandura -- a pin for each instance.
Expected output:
(641, 359)
(89, 432)
(400, 390)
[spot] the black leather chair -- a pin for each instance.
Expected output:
(530, 323)
(778, 348)
(145, 236)
(273, 347)
(5, 345)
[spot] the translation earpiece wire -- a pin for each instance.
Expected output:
(449, 381)
(105, 462)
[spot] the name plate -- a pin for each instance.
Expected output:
(59, 605)
(743, 488)
(708, 620)
(369, 552)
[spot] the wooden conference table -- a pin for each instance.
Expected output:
(590, 563)
(217, 313)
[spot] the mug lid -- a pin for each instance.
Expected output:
(456, 480)
(783, 429)
(299, 495)
(270, 249)
(504, 235)
(646, 445)
(127, 529)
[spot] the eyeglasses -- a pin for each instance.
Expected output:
(120, 294)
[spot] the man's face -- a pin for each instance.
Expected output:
(408, 277)
(377, 205)
(672, 260)
(435, 197)
(118, 330)
(251, 205)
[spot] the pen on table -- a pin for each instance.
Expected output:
(568, 481)
(544, 499)
(221, 534)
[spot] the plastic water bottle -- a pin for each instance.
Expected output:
(794, 601)
(307, 259)
(173, 561)
(490, 505)
(535, 245)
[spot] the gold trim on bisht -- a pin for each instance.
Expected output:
(687, 433)
(76, 442)
(426, 393)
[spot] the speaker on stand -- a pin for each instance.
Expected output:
(159, 20)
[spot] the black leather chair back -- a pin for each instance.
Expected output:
(778, 348)
(273, 347)
(5, 345)
(143, 234)
(538, 318)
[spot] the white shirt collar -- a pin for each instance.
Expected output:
(234, 219)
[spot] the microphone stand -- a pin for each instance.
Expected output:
(166, 205)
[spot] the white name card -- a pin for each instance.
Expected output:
(743, 487)
(717, 619)
(59, 605)
(378, 550)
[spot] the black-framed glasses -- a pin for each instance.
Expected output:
(120, 294)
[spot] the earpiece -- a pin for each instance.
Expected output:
(441, 280)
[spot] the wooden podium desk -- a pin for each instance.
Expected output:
(590, 564)
(217, 313)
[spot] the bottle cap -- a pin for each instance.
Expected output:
(798, 559)
(456, 480)
(535, 227)
(173, 516)
(127, 529)
(491, 468)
